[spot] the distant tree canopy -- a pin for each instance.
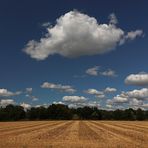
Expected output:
(12, 113)
(63, 112)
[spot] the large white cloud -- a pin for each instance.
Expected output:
(74, 99)
(140, 79)
(76, 34)
(63, 88)
(5, 102)
(6, 93)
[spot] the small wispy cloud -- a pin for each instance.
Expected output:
(96, 71)
(93, 71)
(109, 73)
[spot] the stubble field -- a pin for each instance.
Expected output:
(74, 134)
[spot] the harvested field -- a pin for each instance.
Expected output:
(74, 134)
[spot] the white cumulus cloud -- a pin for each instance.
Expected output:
(58, 102)
(74, 99)
(135, 102)
(120, 99)
(82, 104)
(93, 92)
(109, 73)
(59, 87)
(138, 93)
(145, 105)
(100, 94)
(5, 102)
(6, 93)
(133, 98)
(93, 71)
(140, 79)
(110, 90)
(25, 106)
(96, 71)
(76, 34)
(96, 93)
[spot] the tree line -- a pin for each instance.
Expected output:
(63, 112)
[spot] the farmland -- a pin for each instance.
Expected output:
(74, 134)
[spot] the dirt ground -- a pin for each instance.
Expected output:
(74, 134)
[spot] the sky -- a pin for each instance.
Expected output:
(76, 53)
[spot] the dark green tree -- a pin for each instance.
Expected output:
(140, 115)
(129, 114)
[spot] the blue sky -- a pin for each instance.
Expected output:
(23, 21)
